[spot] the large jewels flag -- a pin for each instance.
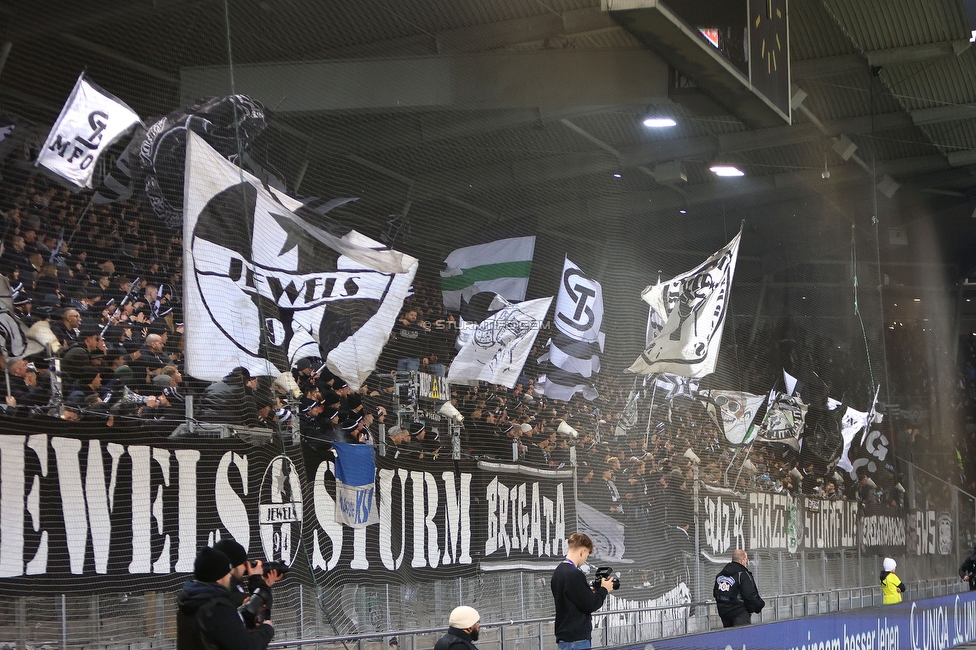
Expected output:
(265, 288)
(90, 122)
(495, 349)
(734, 412)
(693, 307)
(355, 472)
(784, 419)
(501, 267)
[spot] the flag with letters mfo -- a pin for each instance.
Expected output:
(89, 123)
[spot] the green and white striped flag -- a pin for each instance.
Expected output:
(501, 266)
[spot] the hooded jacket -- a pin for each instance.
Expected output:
(208, 620)
(891, 587)
(735, 592)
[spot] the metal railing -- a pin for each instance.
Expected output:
(636, 625)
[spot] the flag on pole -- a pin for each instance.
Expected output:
(573, 354)
(784, 419)
(693, 306)
(89, 123)
(501, 266)
(733, 412)
(265, 288)
(852, 424)
(355, 472)
(495, 350)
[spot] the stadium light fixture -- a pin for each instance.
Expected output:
(659, 122)
(726, 171)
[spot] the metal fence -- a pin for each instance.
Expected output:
(637, 625)
(133, 622)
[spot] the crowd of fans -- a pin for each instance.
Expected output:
(102, 285)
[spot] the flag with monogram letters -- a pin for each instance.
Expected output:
(90, 122)
(573, 353)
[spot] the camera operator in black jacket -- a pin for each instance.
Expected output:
(735, 592)
(207, 619)
(575, 599)
(258, 583)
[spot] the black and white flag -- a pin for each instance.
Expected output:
(90, 122)
(575, 349)
(265, 288)
(784, 420)
(495, 350)
(693, 307)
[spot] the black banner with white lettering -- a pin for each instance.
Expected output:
(97, 511)
(883, 530)
(440, 519)
(86, 511)
(768, 521)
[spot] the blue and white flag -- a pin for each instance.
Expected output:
(355, 472)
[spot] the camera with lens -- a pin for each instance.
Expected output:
(255, 608)
(603, 573)
(272, 565)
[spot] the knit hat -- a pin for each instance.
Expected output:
(464, 617)
(234, 551)
(210, 565)
(889, 564)
(161, 381)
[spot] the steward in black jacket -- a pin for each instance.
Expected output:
(207, 619)
(735, 592)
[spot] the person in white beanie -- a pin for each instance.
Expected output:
(463, 630)
(891, 585)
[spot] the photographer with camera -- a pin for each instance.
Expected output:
(207, 618)
(575, 599)
(253, 598)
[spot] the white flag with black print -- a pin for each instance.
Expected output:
(695, 304)
(265, 288)
(734, 412)
(573, 354)
(579, 307)
(495, 350)
(852, 423)
(90, 122)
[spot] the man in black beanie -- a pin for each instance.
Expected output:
(257, 581)
(207, 618)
